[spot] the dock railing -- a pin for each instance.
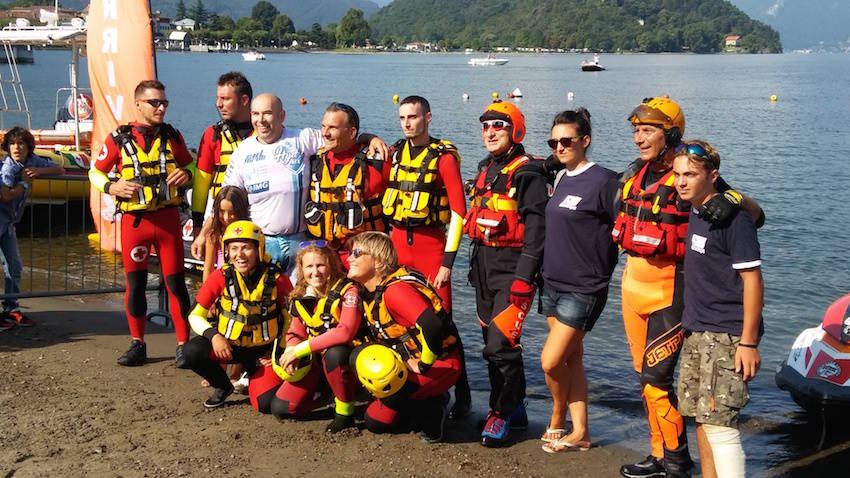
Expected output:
(60, 249)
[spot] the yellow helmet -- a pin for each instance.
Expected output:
(299, 373)
(245, 231)
(664, 113)
(380, 370)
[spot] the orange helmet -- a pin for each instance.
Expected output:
(664, 113)
(508, 112)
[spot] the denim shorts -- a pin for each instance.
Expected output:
(575, 309)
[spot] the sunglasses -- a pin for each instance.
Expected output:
(694, 149)
(497, 125)
(356, 252)
(320, 243)
(156, 103)
(565, 142)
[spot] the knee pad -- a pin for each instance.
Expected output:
(136, 300)
(177, 285)
(197, 350)
(280, 408)
(335, 357)
(729, 457)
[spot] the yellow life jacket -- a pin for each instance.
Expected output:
(148, 169)
(325, 314)
(230, 139)
(402, 339)
(413, 197)
(337, 208)
(250, 318)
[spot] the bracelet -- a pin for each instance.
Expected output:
(749, 346)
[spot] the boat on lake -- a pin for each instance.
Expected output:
(592, 65)
(68, 142)
(489, 61)
(253, 55)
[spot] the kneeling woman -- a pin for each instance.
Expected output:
(250, 298)
(412, 361)
(325, 326)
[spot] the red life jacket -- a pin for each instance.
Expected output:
(493, 218)
(650, 223)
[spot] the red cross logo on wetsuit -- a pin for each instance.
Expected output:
(139, 253)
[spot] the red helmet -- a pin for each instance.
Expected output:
(508, 112)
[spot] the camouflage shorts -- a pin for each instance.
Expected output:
(709, 388)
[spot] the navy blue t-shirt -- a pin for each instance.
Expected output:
(714, 291)
(579, 255)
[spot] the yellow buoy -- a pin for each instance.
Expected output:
(395, 99)
(773, 98)
(495, 95)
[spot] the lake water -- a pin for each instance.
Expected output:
(790, 155)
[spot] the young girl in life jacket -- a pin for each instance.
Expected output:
(231, 204)
(325, 325)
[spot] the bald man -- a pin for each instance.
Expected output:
(273, 166)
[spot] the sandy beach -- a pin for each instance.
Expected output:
(68, 409)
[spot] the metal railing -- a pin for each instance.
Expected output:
(60, 249)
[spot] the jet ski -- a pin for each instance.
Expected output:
(817, 371)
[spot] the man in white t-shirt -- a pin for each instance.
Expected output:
(273, 167)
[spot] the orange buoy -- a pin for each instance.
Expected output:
(303, 101)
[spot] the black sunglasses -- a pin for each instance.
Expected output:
(565, 142)
(156, 103)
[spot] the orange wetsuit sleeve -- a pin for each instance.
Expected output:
(181, 153)
(410, 309)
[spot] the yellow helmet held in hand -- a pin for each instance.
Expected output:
(380, 370)
(245, 231)
(664, 113)
(503, 110)
(299, 373)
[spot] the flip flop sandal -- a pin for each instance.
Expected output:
(553, 431)
(562, 445)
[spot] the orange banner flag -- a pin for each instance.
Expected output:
(120, 55)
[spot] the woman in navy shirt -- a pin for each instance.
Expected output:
(577, 265)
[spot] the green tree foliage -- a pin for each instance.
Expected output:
(607, 25)
(265, 13)
(353, 29)
(282, 25)
(181, 10)
(198, 13)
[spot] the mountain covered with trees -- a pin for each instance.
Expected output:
(607, 25)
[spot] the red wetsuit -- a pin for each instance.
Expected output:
(141, 230)
(209, 155)
(264, 382)
(423, 248)
(409, 308)
(332, 350)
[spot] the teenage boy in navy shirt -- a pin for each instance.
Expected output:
(722, 318)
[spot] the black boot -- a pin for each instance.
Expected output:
(647, 468)
(434, 417)
(340, 423)
(136, 355)
(219, 396)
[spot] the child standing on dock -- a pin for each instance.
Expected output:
(19, 168)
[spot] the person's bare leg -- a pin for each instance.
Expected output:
(706, 457)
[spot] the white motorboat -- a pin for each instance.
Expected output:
(489, 61)
(253, 55)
